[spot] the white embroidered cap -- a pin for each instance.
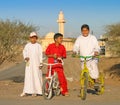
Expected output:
(33, 34)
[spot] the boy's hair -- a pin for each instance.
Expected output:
(85, 26)
(57, 35)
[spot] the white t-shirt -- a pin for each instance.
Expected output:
(86, 46)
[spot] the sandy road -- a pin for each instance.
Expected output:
(110, 97)
(11, 85)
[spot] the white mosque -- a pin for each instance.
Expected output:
(48, 39)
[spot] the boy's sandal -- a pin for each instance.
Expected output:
(67, 94)
(39, 95)
(23, 95)
(34, 95)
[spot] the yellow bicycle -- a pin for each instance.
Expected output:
(86, 81)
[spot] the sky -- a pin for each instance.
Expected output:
(44, 13)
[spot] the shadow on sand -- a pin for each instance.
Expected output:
(19, 79)
(114, 70)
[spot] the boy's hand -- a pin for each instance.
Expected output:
(41, 65)
(96, 53)
(27, 59)
(60, 58)
(55, 56)
(74, 54)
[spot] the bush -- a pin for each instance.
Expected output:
(113, 44)
(13, 34)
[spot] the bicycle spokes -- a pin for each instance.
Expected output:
(47, 89)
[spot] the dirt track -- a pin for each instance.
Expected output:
(10, 96)
(11, 86)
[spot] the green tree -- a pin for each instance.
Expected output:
(13, 34)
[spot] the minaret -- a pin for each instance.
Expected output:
(61, 22)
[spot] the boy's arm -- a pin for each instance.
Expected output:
(76, 47)
(41, 54)
(97, 47)
(51, 56)
(25, 53)
(48, 54)
(64, 53)
(40, 57)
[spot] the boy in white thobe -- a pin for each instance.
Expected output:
(33, 75)
(87, 45)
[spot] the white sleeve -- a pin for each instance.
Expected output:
(76, 47)
(41, 54)
(97, 47)
(25, 52)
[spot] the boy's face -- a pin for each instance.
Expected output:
(59, 40)
(33, 39)
(85, 32)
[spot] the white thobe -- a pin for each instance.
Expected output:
(86, 46)
(33, 75)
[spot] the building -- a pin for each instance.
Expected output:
(67, 42)
(102, 44)
(61, 22)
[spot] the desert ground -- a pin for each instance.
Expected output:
(12, 77)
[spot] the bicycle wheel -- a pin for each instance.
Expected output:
(84, 85)
(57, 90)
(47, 89)
(101, 86)
(56, 85)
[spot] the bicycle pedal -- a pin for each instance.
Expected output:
(97, 84)
(78, 95)
(46, 94)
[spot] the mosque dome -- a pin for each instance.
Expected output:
(50, 35)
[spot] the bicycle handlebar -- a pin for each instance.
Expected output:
(90, 56)
(85, 57)
(52, 64)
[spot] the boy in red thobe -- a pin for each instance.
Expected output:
(54, 51)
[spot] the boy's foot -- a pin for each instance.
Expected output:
(96, 81)
(23, 95)
(96, 85)
(34, 95)
(39, 95)
(66, 94)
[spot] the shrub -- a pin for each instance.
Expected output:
(13, 34)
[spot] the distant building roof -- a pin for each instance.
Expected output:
(50, 35)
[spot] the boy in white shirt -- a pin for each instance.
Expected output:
(32, 54)
(87, 45)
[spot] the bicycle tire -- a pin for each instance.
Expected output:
(47, 94)
(84, 85)
(57, 92)
(101, 87)
(56, 86)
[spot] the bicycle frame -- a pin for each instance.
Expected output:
(50, 76)
(50, 69)
(86, 80)
(86, 70)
